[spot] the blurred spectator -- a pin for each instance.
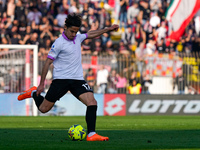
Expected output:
(73, 8)
(53, 8)
(196, 44)
(50, 17)
(65, 6)
(116, 11)
(133, 77)
(46, 34)
(171, 48)
(86, 47)
(104, 18)
(91, 17)
(97, 48)
(132, 13)
(35, 27)
(128, 36)
(19, 11)
(98, 10)
(150, 47)
(106, 36)
(2, 7)
(123, 13)
(112, 82)
(34, 15)
(11, 81)
(134, 88)
(140, 54)
(90, 78)
(4, 40)
(45, 30)
(84, 27)
(139, 33)
(13, 30)
(188, 49)
(192, 90)
(155, 5)
(84, 13)
(11, 9)
(146, 82)
(45, 24)
(148, 29)
(6, 22)
(33, 39)
(121, 84)
(145, 11)
(102, 79)
(56, 28)
(61, 18)
(45, 46)
(15, 38)
(109, 47)
(43, 8)
(161, 32)
(180, 46)
(123, 49)
(22, 28)
(27, 35)
(161, 46)
(180, 82)
(190, 37)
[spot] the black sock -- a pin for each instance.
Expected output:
(38, 99)
(91, 118)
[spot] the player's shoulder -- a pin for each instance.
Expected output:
(81, 36)
(59, 40)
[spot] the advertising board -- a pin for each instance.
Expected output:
(114, 104)
(163, 105)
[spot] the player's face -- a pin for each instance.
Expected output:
(70, 32)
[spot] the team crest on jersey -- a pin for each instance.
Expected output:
(52, 51)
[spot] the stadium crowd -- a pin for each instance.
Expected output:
(141, 21)
(143, 29)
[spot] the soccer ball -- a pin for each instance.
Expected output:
(76, 132)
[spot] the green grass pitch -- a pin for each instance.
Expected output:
(125, 133)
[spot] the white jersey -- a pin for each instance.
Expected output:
(67, 57)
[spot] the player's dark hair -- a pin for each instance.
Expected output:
(73, 19)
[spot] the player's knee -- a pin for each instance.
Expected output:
(43, 109)
(92, 102)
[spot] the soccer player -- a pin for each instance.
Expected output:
(65, 54)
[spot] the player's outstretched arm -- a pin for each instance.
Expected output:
(95, 33)
(43, 76)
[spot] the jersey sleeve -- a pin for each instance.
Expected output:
(55, 50)
(82, 37)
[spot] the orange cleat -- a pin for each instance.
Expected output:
(97, 137)
(26, 94)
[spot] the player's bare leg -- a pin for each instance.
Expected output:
(46, 106)
(89, 100)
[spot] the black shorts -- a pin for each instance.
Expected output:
(59, 87)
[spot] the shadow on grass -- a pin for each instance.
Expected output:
(119, 139)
